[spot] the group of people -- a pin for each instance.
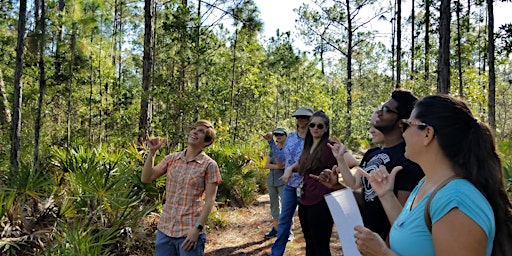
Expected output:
(423, 144)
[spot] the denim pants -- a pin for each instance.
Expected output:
(171, 246)
(288, 206)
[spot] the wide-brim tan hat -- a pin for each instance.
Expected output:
(303, 111)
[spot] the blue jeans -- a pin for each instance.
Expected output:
(171, 246)
(288, 206)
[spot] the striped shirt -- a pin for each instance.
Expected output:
(185, 186)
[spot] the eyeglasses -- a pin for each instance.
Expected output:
(387, 109)
(319, 126)
(406, 123)
(279, 134)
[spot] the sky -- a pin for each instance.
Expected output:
(278, 14)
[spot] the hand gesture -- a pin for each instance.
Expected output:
(328, 178)
(154, 143)
(382, 182)
(368, 242)
(338, 149)
(267, 137)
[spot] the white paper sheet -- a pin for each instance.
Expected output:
(346, 216)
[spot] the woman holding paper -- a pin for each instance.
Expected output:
(315, 219)
(458, 155)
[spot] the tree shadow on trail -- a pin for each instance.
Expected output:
(239, 249)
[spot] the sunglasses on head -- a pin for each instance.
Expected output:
(319, 126)
(406, 123)
(387, 109)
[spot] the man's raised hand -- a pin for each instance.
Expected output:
(154, 143)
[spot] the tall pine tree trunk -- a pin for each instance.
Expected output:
(59, 56)
(349, 72)
(5, 114)
(18, 86)
(459, 48)
(398, 42)
(233, 82)
(42, 81)
(427, 43)
(443, 67)
(413, 38)
(492, 75)
(70, 85)
(145, 116)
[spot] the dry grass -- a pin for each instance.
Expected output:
(244, 233)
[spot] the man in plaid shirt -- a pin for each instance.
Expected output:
(190, 175)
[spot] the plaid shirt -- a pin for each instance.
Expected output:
(185, 186)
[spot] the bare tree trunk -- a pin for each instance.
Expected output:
(398, 42)
(5, 114)
(18, 87)
(349, 72)
(443, 81)
(145, 116)
(492, 75)
(70, 86)
(233, 82)
(459, 50)
(91, 85)
(42, 81)
(60, 37)
(393, 49)
(427, 42)
(413, 38)
(198, 45)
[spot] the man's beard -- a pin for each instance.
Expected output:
(385, 128)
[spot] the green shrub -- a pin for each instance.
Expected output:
(240, 174)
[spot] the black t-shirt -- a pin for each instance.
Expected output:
(374, 216)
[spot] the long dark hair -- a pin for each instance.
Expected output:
(470, 145)
(307, 161)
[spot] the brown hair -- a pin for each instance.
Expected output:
(210, 133)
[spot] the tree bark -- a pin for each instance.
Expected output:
(5, 114)
(459, 49)
(42, 81)
(427, 42)
(492, 74)
(398, 42)
(145, 116)
(443, 67)
(18, 87)
(349, 71)
(59, 56)
(413, 38)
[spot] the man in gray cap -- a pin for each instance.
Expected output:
(290, 154)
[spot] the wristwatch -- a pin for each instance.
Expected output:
(199, 227)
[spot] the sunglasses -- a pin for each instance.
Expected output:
(406, 123)
(278, 134)
(387, 109)
(302, 117)
(319, 126)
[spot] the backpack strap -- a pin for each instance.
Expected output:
(426, 212)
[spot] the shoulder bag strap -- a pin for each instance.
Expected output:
(426, 212)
